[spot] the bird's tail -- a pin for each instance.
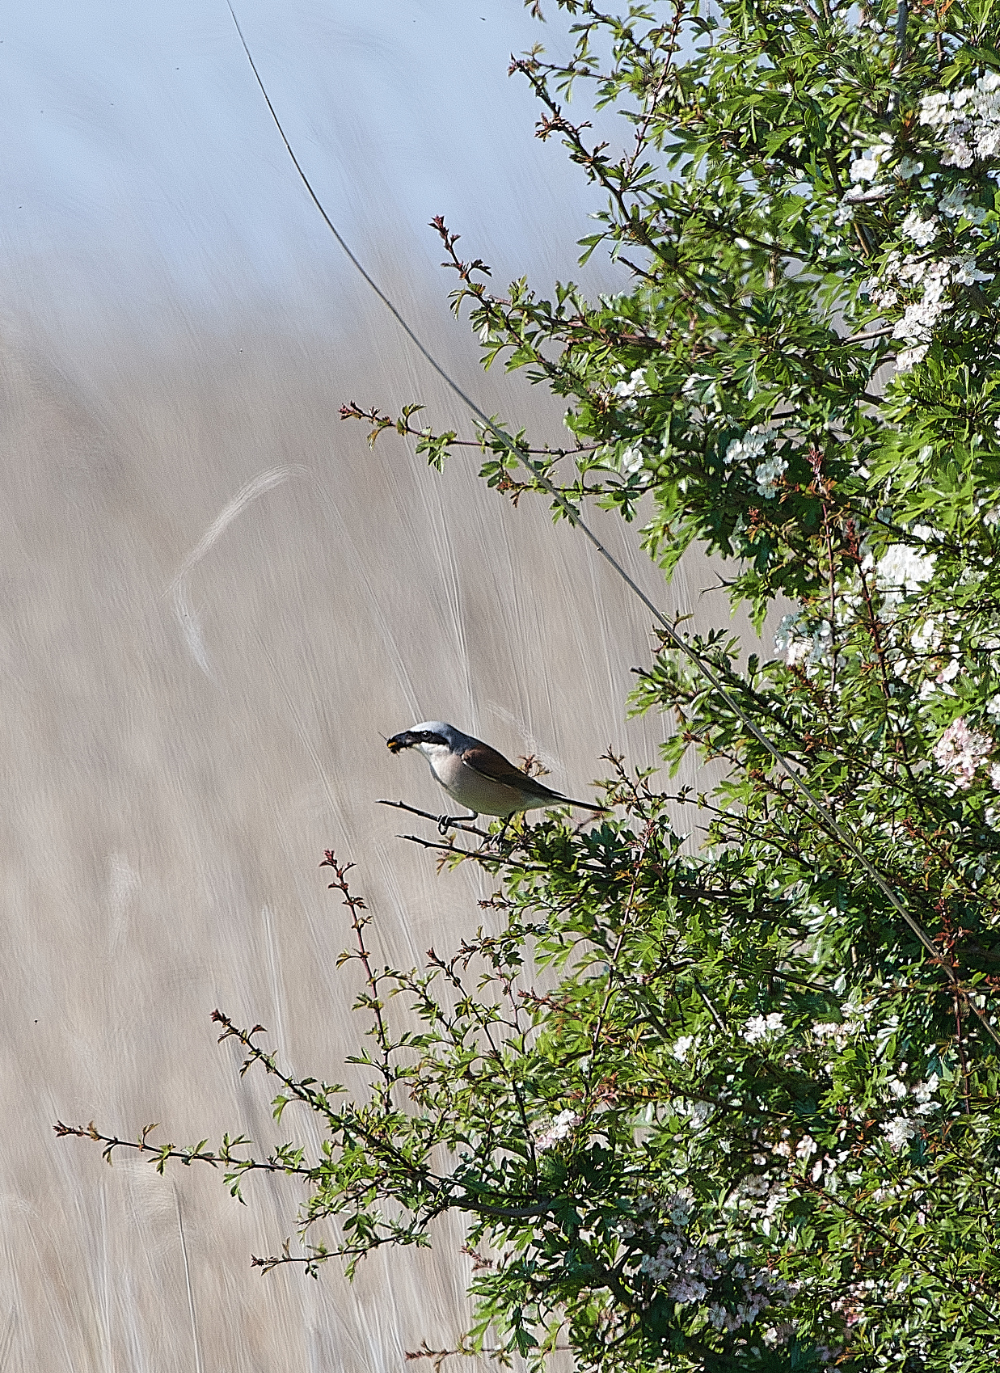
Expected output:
(585, 805)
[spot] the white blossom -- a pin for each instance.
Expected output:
(934, 108)
(760, 1026)
(927, 637)
(679, 1207)
(866, 167)
(801, 642)
(683, 1047)
(967, 120)
(960, 751)
(845, 212)
(886, 297)
(687, 1289)
(909, 357)
(966, 273)
(690, 1272)
(922, 231)
(560, 1128)
(919, 319)
(955, 204)
(931, 279)
(902, 569)
(768, 474)
(626, 391)
(746, 449)
(698, 1112)
(898, 1130)
(923, 1093)
(631, 461)
(756, 1185)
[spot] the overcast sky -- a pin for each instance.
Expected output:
(141, 163)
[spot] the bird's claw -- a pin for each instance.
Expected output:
(445, 821)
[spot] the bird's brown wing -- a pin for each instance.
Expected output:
(489, 763)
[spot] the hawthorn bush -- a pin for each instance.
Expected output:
(748, 1119)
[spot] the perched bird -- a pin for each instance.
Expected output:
(476, 776)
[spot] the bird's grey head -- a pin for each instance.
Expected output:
(433, 733)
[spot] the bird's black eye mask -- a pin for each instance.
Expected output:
(410, 737)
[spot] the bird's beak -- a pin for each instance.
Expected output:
(400, 741)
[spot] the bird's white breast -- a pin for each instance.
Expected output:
(468, 787)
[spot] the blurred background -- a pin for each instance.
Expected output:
(217, 599)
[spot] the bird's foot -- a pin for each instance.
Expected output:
(445, 821)
(505, 838)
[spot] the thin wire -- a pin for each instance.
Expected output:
(573, 515)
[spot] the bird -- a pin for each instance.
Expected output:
(477, 776)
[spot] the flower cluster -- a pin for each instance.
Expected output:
(760, 1195)
(898, 1130)
(768, 474)
(921, 231)
(901, 569)
(687, 1270)
(866, 167)
(758, 1292)
(627, 390)
(560, 1128)
(840, 1032)
(967, 120)
(955, 204)
(961, 751)
(631, 460)
(763, 1026)
(901, 1128)
(926, 283)
(746, 451)
(802, 642)
(933, 278)
(692, 1272)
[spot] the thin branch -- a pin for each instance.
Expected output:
(427, 815)
(162, 1152)
(359, 920)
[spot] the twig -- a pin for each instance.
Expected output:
(426, 815)
(356, 906)
(162, 1152)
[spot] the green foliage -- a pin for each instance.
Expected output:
(738, 1109)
